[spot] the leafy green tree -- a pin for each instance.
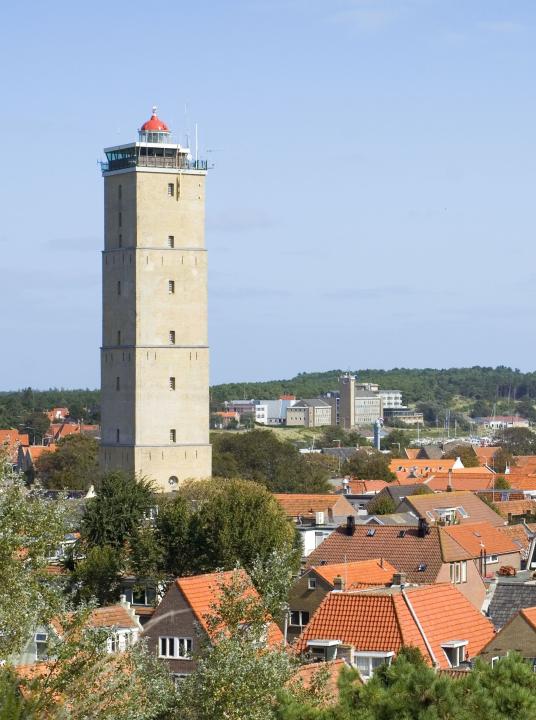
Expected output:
(261, 457)
(381, 505)
(518, 441)
(501, 483)
(481, 408)
(172, 534)
(36, 424)
(501, 460)
(466, 454)
(237, 521)
(31, 528)
(73, 466)
(118, 509)
(272, 577)
(526, 409)
(369, 465)
(396, 442)
(333, 435)
(97, 574)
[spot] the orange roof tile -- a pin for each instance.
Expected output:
(112, 616)
(295, 504)
(382, 621)
(411, 453)
(439, 482)
(362, 487)
(475, 537)
(12, 439)
(360, 573)
(307, 673)
(515, 507)
(35, 451)
(530, 615)
(202, 591)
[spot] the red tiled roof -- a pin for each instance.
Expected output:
(530, 615)
(362, 487)
(112, 616)
(358, 574)
(382, 621)
(202, 593)
(515, 507)
(13, 439)
(307, 504)
(477, 536)
(307, 673)
(439, 482)
(35, 451)
(401, 546)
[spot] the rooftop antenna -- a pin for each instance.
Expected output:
(196, 145)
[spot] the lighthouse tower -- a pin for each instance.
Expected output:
(154, 356)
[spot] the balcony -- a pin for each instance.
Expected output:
(173, 162)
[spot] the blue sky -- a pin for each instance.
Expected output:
(372, 199)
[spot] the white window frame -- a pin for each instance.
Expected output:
(171, 190)
(311, 583)
(458, 572)
(459, 646)
(494, 660)
(184, 643)
(370, 656)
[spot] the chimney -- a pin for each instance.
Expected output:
(423, 528)
(399, 578)
(350, 525)
(338, 583)
(449, 484)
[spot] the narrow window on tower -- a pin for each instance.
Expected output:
(170, 189)
(119, 287)
(117, 435)
(172, 337)
(171, 287)
(120, 219)
(172, 383)
(173, 435)
(119, 337)
(117, 383)
(171, 241)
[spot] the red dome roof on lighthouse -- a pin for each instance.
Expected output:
(154, 124)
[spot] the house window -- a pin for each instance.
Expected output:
(112, 643)
(458, 572)
(311, 583)
(118, 383)
(367, 663)
(41, 646)
(172, 435)
(455, 652)
(491, 559)
(117, 435)
(171, 241)
(446, 515)
(173, 480)
(495, 660)
(299, 618)
(171, 287)
(170, 189)
(175, 647)
(172, 383)
(119, 287)
(142, 595)
(172, 337)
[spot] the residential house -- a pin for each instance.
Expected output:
(516, 510)
(490, 548)
(316, 515)
(436, 619)
(521, 535)
(412, 470)
(224, 418)
(308, 591)
(508, 599)
(309, 413)
(397, 493)
(179, 623)
(28, 456)
(57, 413)
(242, 407)
(12, 440)
(430, 452)
(426, 554)
(517, 635)
(119, 620)
(450, 508)
(58, 431)
(142, 594)
(486, 454)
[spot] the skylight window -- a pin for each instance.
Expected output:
(422, 567)
(371, 532)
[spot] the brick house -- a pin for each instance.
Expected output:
(518, 635)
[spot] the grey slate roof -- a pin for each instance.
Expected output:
(430, 452)
(508, 599)
(399, 492)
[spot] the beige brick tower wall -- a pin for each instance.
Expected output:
(150, 290)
